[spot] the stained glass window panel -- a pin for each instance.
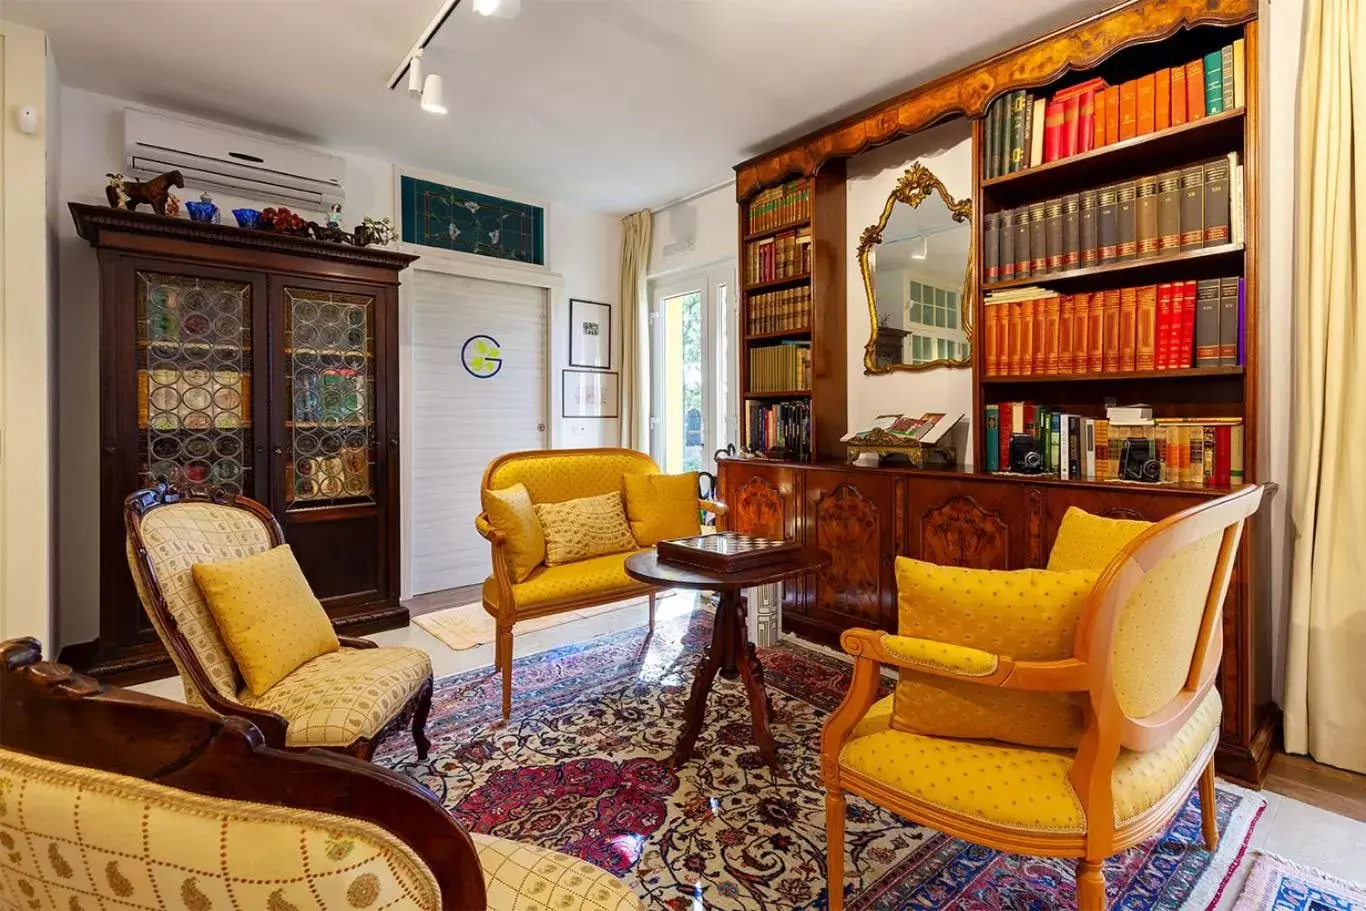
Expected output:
(450, 218)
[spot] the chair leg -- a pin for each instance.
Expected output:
(652, 612)
(834, 848)
(420, 713)
(1209, 822)
(1090, 886)
(505, 665)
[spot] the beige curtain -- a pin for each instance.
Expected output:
(1325, 698)
(635, 345)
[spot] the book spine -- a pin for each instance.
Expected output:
(1007, 102)
(1070, 128)
(1107, 224)
(1074, 446)
(1038, 243)
(1229, 289)
(1236, 475)
(1007, 256)
(1195, 471)
(1088, 448)
(1064, 455)
(1207, 472)
(1066, 320)
(1071, 231)
(1207, 323)
(1095, 331)
(1026, 338)
(1110, 315)
(1036, 132)
(1226, 76)
(1192, 208)
(1128, 109)
(1086, 121)
(1089, 238)
(1167, 325)
(1145, 357)
(1145, 98)
(1242, 319)
(1017, 122)
(1098, 138)
(1005, 419)
(1178, 96)
(1014, 339)
(1023, 259)
(1168, 212)
(1195, 90)
(1162, 100)
(993, 437)
(1145, 216)
(1102, 450)
(1236, 208)
(1054, 442)
(1222, 447)
(1216, 203)
(1126, 216)
(1128, 329)
(992, 242)
(1053, 234)
(1026, 130)
(1112, 115)
(1052, 307)
(1239, 73)
(991, 316)
(1187, 309)
(1214, 83)
(1052, 131)
(1081, 328)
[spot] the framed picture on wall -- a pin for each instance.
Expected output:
(590, 334)
(590, 394)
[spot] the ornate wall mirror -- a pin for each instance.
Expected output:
(917, 273)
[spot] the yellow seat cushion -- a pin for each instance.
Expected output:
(1085, 541)
(583, 528)
(661, 506)
(270, 621)
(1019, 787)
(600, 576)
(1028, 615)
(522, 877)
(338, 698)
(510, 511)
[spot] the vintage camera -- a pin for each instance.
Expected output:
(1138, 461)
(1025, 457)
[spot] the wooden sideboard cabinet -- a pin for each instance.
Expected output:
(866, 517)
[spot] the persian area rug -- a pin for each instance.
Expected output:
(1276, 884)
(582, 768)
(469, 625)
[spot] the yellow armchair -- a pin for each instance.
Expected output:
(1146, 653)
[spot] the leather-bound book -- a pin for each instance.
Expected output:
(1168, 324)
(1168, 212)
(1162, 100)
(1053, 117)
(1053, 234)
(1071, 231)
(1145, 97)
(1090, 238)
(1214, 82)
(1017, 127)
(1052, 313)
(1014, 324)
(1110, 331)
(1145, 357)
(1086, 120)
(1112, 115)
(1027, 139)
(1216, 203)
(1128, 109)
(1066, 317)
(1228, 321)
(991, 241)
(1071, 110)
(1207, 323)
(1008, 218)
(1038, 242)
(1040, 334)
(1128, 329)
(992, 153)
(1178, 98)
(1145, 218)
(1193, 207)
(1185, 308)
(1027, 341)
(1195, 90)
(1023, 259)
(1107, 223)
(1126, 215)
(1095, 331)
(1098, 119)
(1080, 310)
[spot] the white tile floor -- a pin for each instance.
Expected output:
(1297, 831)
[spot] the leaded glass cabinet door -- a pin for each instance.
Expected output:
(332, 456)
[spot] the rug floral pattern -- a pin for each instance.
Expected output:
(582, 768)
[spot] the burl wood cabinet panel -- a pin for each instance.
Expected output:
(763, 498)
(962, 523)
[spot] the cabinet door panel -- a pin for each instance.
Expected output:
(975, 526)
(850, 516)
(763, 501)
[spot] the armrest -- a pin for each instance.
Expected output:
(715, 507)
(354, 642)
(960, 663)
(928, 655)
(487, 531)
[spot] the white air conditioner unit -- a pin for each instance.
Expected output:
(250, 166)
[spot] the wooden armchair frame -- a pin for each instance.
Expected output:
(505, 612)
(48, 711)
(1108, 728)
(271, 725)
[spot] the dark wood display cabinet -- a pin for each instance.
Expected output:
(260, 363)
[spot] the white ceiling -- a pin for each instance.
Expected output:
(609, 104)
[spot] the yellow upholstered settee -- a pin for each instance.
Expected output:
(114, 799)
(1146, 646)
(553, 476)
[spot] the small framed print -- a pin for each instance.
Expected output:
(590, 394)
(590, 334)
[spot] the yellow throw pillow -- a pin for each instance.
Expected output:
(1028, 614)
(267, 614)
(586, 527)
(1090, 542)
(662, 506)
(511, 512)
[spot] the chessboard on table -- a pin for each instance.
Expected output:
(725, 551)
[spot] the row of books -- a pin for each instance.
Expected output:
(785, 367)
(1191, 208)
(1172, 326)
(779, 427)
(1201, 452)
(1025, 131)
(778, 206)
(788, 310)
(784, 255)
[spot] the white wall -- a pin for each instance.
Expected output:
(583, 249)
(26, 335)
(947, 151)
(707, 220)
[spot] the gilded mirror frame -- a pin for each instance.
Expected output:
(915, 186)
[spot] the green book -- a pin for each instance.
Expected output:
(993, 139)
(1214, 83)
(1003, 134)
(1226, 75)
(1017, 122)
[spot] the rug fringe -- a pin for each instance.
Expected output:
(1300, 869)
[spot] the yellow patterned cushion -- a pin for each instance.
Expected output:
(969, 662)
(266, 614)
(1028, 614)
(583, 528)
(553, 477)
(178, 536)
(510, 511)
(75, 838)
(600, 576)
(1155, 639)
(522, 877)
(1019, 787)
(662, 506)
(1090, 542)
(338, 698)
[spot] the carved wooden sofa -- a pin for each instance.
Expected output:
(348, 700)
(115, 799)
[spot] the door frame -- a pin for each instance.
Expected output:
(556, 351)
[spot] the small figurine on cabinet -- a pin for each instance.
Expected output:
(374, 231)
(334, 215)
(172, 205)
(204, 210)
(129, 194)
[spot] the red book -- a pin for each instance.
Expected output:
(1086, 121)
(1094, 84)
(1071, 109)
(1052, 131)
(1186, 350)
(1166, 325)
(1031, 413)
(1004, 425)
(1222, 449)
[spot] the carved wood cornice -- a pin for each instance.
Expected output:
(968, 91)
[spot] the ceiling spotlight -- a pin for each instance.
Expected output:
(486, 7)
(415, 74)
(503, 9)
(433, 101)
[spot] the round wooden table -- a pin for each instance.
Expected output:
(730, 652)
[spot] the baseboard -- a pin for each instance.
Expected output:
(1248, 765)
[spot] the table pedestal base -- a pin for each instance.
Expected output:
(730, 654)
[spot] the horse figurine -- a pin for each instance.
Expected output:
(129, 194)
